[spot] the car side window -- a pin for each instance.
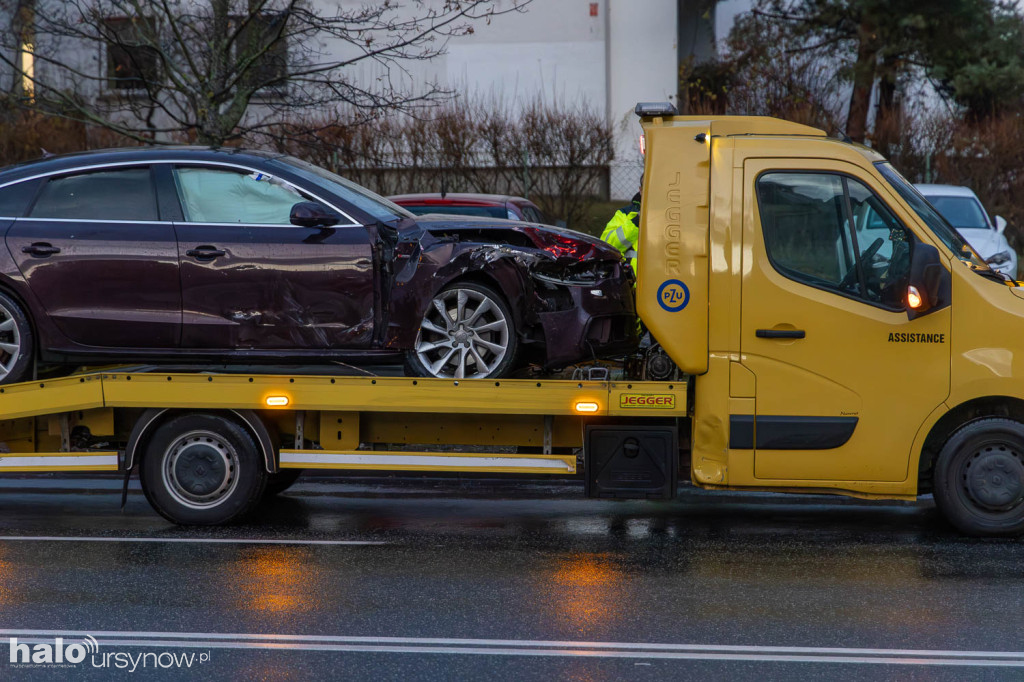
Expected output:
(211, 195)
(831, 232)
(533, 215)
(125, 194)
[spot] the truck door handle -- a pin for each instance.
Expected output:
(40, 249)
(205, 252)
(780, 333)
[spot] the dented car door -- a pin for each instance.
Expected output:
(252, 280)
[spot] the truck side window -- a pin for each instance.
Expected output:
(886, 270)
(831, 232)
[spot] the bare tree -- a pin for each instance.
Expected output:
(216, 70)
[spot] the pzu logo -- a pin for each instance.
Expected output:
(673, 295)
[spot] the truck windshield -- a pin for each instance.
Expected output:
(932, 218)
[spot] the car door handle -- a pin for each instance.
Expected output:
(41, 249)
(205, 252)
(780, 333)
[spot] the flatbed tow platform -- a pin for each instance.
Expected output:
(185, 425)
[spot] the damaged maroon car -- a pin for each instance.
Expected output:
(193, 255)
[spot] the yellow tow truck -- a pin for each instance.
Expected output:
(819, 328)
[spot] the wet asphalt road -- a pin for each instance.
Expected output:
(383, 579)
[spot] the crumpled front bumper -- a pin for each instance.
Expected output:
(588, 321)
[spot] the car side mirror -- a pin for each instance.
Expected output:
(930, 287)
(1000, 224)
(313, 214)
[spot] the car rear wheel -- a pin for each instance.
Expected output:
(15, 342)
(979, 478)
(467, 332)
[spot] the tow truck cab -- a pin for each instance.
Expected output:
(837, 331)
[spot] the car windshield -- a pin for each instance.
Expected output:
(932, 218)
(375, 205)
(963, 213)
(482, 211)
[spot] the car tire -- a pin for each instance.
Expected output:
(979, 478)
(202, 470)
(280, 481)
(467, 332)
(16, 342)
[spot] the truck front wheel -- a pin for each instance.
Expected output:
(979, 478)
(202, 469)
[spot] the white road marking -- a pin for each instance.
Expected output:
(550, 648)
(222, 541)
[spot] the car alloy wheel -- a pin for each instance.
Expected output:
(466, 333)
(10, 341)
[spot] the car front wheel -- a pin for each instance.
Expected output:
(467, 332)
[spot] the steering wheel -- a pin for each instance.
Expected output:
(851, 276)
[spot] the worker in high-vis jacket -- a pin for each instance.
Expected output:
(623, 230)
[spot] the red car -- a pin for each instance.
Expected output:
(477, 205)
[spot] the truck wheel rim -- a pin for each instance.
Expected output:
(993, 478)
(464, 335)
(200, 469)
(10, 341)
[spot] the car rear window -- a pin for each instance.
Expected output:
(481, 211)
(15, 198)
(102, 195)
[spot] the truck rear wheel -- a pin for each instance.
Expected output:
(979, 478)
(202, 469)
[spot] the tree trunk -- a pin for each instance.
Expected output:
(887, 118)
(863, 82)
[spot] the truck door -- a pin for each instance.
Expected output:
(843, 377)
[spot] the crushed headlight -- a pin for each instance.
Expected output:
(999, 258)
(587, 272)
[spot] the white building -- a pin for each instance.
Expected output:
(608, 54)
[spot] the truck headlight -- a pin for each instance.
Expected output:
(999, 258)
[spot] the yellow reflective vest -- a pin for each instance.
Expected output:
(623, 231)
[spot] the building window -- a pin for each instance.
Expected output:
(132, 58)
(262, 41)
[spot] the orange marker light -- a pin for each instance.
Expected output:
(587, 407)
(914, 299)
(277, 400)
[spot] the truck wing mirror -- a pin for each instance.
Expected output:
(313, 214)
(930, 287)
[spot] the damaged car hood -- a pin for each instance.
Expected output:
(553, 243)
